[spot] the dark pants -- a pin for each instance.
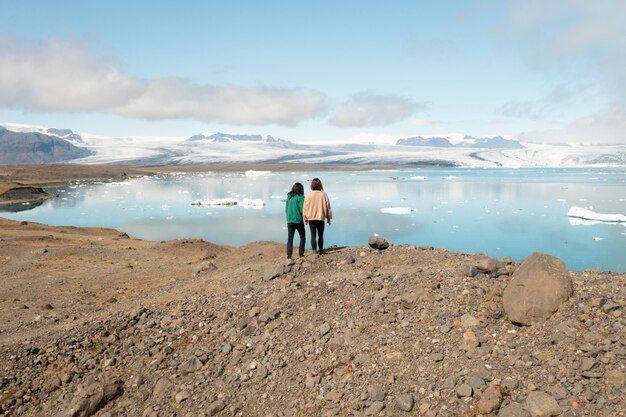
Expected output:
(291, 231)
(317, 229)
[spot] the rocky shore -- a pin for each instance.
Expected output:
(97, 324)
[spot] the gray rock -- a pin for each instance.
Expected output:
(405, 402)
(437, 357)
(588, 364)
(95, 396)
(376, 393)
(377, 242)
(464, 390)
(445, 328)
(206, 266)
(470, 271)
(324, 328)
(190, 366)
(375, 408)
(540, 404)
(181, 396)
(537, 289)
(513, 409)
(476, 382)
(273, 271)
(215, 407)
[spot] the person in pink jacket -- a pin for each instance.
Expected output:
(317, 210)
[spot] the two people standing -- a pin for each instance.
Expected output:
(313, 209)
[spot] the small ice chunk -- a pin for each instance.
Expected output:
(252, 202)
(418, 177)
(396, 210)
(598, 238)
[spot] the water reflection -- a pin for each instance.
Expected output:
(498, 212)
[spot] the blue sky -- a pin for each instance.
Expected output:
(325, 71)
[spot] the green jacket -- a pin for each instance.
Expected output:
(293, 208)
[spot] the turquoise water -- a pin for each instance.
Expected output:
(500, 212)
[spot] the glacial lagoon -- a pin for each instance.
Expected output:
(499, 212)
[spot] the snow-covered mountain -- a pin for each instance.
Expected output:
(230, 138)
(231, 148)
(495, 142)
(43, 146)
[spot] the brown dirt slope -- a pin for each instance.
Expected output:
(94, 323)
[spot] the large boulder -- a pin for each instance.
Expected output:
(537, 289)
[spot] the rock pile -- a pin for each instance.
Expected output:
(355, 332)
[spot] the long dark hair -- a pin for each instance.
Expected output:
(316, 185)
(297, 189)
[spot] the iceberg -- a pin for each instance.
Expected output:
(252, 202)
(216, 202)
(582, 213)
(396, 210)
(246, 202)
(253, 173)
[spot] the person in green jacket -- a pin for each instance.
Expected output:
(293, 210)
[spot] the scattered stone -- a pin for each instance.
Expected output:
(437, 357)
(490, 400)
(464, 390)
(513, 409)
(206, 266)
(88, 401)
(215, 407)
(540, 404)
(467, 321)
(470, 271)
(537, 289)
(614, 377)
(162, 386)
(181, 396)
(376, 393)
(405, 401)
(377, 242)
(190, 366)
(324, 328)
(273, 271)
(375, 408)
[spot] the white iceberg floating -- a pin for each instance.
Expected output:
(117, 184)
(396, 210)
(253, 173)
(418, 177)
(246, 202)
(216, 202)
(582, 213)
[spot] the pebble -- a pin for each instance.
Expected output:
(405, 402)
(464, 390)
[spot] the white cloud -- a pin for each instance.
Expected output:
(374, 109)
(579, 38)
(60, 76)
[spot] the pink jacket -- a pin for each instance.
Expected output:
(316, 206)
